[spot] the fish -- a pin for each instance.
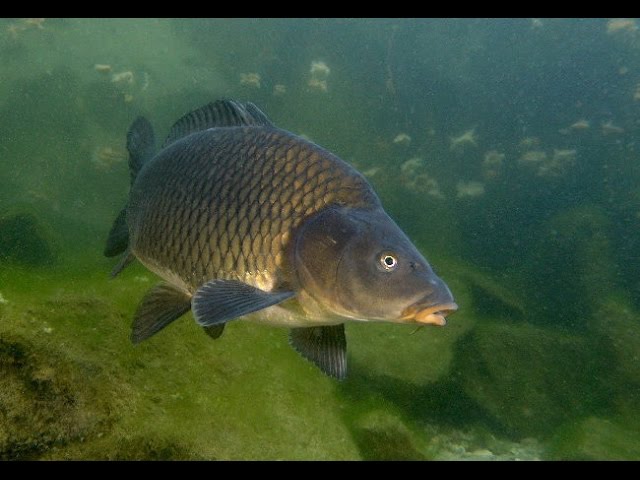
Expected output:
(244, 220)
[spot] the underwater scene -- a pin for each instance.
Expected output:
(506, 150)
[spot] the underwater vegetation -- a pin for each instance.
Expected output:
(506, 150)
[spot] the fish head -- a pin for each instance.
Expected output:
(360, 265)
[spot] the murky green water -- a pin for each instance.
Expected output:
(506, 149)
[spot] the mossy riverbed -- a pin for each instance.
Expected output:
(74, 387)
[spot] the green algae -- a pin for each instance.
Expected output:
(616, 323)
(243, 396)
(229, 397)
(247, 394)
(44, 402)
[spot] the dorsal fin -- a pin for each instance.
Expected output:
(140, 144)
(221, 113)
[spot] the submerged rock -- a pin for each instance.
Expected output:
(529, 379)
(585, 231)
(617, 324)
(23, 240)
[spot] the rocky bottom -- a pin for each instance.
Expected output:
(466, 446)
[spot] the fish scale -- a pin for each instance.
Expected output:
(218, 198)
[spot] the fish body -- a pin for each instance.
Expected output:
(239, 216)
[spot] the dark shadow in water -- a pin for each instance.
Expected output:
(23, 241)
(492, 306)
(441, 404)
(541, 388)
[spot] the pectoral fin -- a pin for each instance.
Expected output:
(325, 346)
(219, 301)
(124, 262)
(160, 306)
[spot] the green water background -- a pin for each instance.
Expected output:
(541, 361)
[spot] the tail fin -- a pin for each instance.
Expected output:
(141, 146)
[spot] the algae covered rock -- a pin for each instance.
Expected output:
(617, 325)
(595, 438)
(529, 379)
(43, 403)
(24, 241)
(586, 232)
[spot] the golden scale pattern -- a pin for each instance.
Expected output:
(223, 202)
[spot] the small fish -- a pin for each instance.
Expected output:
(240, 217)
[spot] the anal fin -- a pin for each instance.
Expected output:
(219, 301)
(325, 346)
(159, 307)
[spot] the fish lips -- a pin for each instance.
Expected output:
(429, 314)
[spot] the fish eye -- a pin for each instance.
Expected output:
(388, 261)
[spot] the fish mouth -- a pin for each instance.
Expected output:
(432, 315)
